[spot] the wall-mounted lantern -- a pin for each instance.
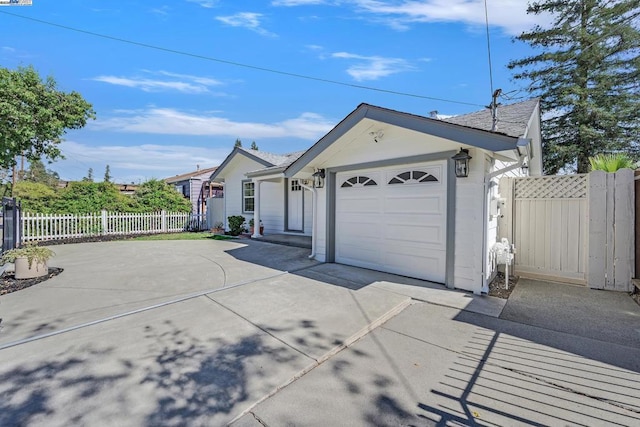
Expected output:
(461, 160)
(318, 178)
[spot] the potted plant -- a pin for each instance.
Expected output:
(236, 225)
(261, 226)
(30, 261)
(218, 228)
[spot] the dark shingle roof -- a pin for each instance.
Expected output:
(512, 119)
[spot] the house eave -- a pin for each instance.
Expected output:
(487, 140)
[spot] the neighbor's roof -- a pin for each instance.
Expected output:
(186, 176)
(513, 119)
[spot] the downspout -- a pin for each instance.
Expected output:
(314, 200)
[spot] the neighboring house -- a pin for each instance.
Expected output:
(196, 187)
(390, 199)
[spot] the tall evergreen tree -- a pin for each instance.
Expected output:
(254, 146)
(238, 143)
(587, 72)
(89, 177)
(107, 174)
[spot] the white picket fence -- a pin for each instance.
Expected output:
(37, 227)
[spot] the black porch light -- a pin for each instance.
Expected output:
(318, 178)
(461, 160)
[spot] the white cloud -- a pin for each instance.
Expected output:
(8, 49)
(249, 20)
(204, 3)
(297, 2)
(509, 14)
(184, 83)
(169, 121)
(135, 163)
(373, 67)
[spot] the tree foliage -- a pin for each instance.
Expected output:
(38, 173)
(254, 146)
(88, 197)
(107, 174)
(34, 115)
(238, 143)
(89, 177)
(156, 195)
(587, 72)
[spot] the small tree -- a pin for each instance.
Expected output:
(254, 146)
(34, 115)
(89, 177)
(238, 143)
(38, 173)
(107, 174)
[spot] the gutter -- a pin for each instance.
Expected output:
(315, 217)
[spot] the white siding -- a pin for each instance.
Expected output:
(272, 206)
(271, 195)
(469, 226)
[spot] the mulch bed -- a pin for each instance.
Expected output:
(496, 287)
(8, 282)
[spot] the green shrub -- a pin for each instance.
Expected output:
(236, 225)
(611, 162)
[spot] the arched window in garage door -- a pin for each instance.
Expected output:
(413, 177)
(359, 181)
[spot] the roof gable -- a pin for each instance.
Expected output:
(190, 175)
(463, 134)
(264, 158)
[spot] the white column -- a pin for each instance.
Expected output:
(256, 209)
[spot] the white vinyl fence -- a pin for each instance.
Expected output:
(572, 228)
(37, 227)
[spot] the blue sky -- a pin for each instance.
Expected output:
(161, 113)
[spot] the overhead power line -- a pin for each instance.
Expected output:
(237, 64)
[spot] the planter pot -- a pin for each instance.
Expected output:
(23, 271)
(261, 230)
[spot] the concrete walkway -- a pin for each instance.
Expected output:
(215, 332)
(602, 315)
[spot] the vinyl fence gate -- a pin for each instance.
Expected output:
(572, 228)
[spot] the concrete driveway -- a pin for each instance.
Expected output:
(215, 332)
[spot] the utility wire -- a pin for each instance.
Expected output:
(486, 17)
(237, 64)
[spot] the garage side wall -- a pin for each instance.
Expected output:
(469, 226)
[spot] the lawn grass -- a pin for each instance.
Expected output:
(177, 236)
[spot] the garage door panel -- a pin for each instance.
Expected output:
(405, 265)
(430, 237)
(397, 225)
(362, 206)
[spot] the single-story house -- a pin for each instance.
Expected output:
(382, 190)
(196, 187)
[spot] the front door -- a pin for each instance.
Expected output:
(295, 209)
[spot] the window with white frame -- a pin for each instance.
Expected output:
(248, 200)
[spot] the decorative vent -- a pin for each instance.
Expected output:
(359, 181)
(552, 187)
(413, 176)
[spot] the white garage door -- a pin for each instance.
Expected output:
(394, 220)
